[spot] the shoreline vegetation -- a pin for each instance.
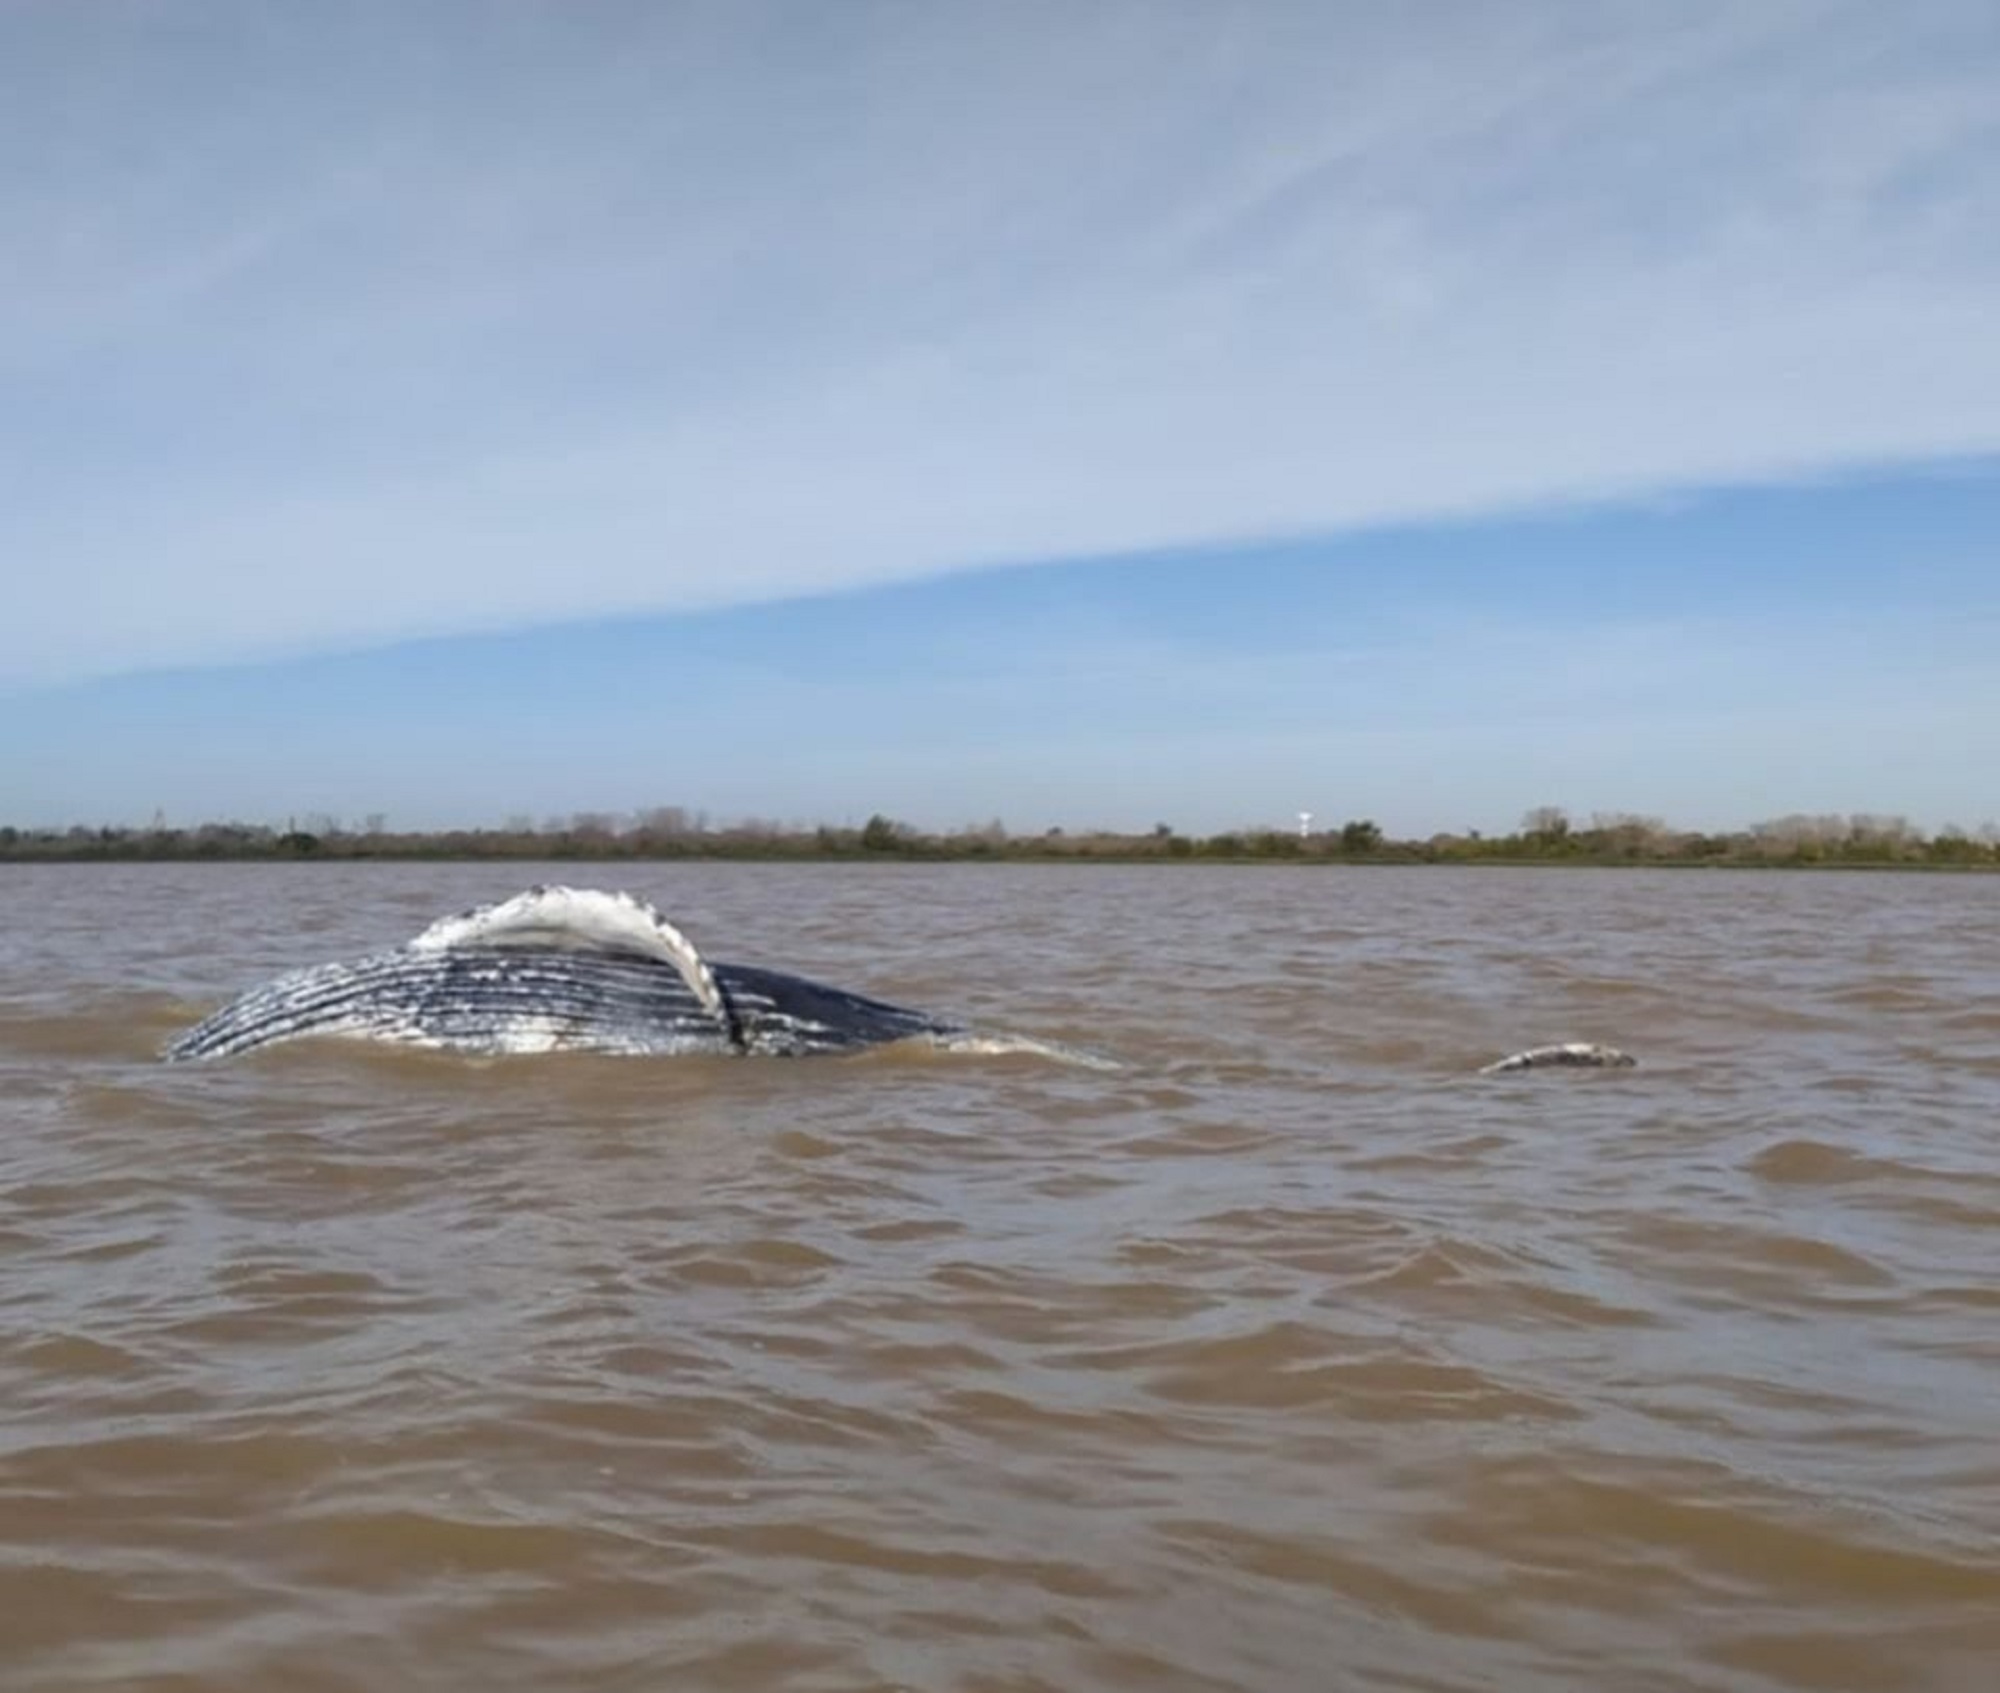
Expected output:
(1547, 835)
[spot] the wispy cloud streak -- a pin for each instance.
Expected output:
(325, 327)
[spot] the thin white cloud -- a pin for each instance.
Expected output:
(327, 327)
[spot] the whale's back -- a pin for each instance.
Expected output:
(554, 969)
(473, 999)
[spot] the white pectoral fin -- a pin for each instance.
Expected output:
(564, 919)
(1582, 1055)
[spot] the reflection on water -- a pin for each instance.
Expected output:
(1292, 1354)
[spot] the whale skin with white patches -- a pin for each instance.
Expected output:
(558, 969)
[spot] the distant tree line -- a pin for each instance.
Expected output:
(1546, 834)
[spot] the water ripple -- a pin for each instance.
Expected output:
(1289, 1354)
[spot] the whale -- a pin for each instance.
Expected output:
(564, 969)
(559, 969)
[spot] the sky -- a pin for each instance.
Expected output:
(1072, 415)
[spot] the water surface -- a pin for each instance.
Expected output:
(1290, 1355)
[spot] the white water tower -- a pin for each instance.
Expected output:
(1305, 824)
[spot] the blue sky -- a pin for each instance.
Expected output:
(1071, 415)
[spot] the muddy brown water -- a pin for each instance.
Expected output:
(1289, 1355)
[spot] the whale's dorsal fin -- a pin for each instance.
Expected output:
(565, 919)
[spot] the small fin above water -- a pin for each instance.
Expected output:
(1008, 1046)
(1572, 1055)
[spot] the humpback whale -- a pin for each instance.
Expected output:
(559, 969)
